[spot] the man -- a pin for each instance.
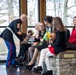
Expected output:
(7, 35)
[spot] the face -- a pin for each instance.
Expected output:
(74, 21)
(24, 19)
(29, 35)
(42, 27)
(37, 27)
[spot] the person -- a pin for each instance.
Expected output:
(48, 22)
(37, 28)
(35, 37)
(57, 45)
(7, 35)
(25, 44)
(41, 33)
(71, 44)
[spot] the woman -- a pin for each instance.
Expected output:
(58, 45)
(41, 31)
(72, 40)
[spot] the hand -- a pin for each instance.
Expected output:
(41, 40)
(25, 40)
(49, 45)
(50, 41)
(35, 43)
(19, 32)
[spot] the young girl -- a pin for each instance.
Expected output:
(58, 45)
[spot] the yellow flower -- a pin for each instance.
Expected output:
(48, 34)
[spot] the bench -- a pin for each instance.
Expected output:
(64, 63)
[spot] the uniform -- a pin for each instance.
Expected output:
(7, 35)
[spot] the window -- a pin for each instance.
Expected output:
(9, 10)
(63, 8)
(32, 11)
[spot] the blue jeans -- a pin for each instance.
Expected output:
(11, 53)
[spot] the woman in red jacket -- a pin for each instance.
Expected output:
(72, 40)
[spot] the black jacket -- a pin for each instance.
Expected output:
(60, 42)
(7, 35)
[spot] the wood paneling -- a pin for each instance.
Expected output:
(23, 10)
(42, 9)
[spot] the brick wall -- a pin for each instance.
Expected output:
(64, 63)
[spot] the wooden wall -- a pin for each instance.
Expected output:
(23, 10)
(42, 9)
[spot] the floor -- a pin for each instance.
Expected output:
(15, 71)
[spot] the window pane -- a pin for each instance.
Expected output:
(32, 11)
(9, 10)
(65, 9)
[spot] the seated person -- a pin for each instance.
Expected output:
(40, 32)
(72, 40)
(25, 45)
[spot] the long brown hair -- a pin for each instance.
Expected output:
(58, 24)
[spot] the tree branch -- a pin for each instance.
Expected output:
(71, 6)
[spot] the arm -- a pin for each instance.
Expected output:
(18, 33)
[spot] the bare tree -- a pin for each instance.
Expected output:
(65, 12)
(10, 10)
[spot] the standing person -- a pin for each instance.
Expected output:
(58, 45)
(7, 35)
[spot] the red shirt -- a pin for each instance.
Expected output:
(72, 38)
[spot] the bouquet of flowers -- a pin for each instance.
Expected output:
(47, 36)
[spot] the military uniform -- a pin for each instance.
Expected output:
(7, 35)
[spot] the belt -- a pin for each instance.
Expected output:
(10, 30)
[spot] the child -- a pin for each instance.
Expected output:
(24, 46)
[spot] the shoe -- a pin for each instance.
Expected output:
(37, 69)
(9, 66)
(29, 67)
(47, 73)
(14, 66)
